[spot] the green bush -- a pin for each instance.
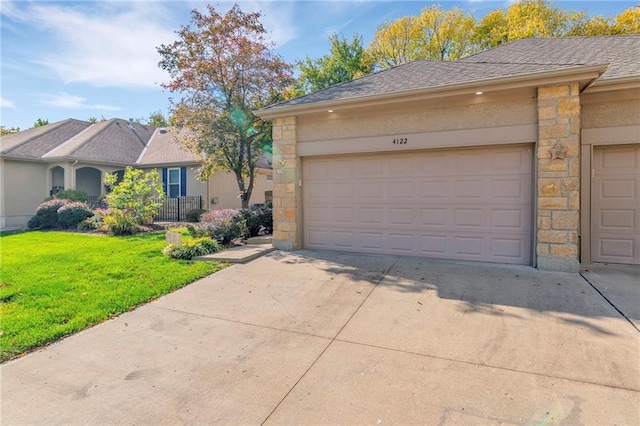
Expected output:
(223, 226)
(47, 215)
(73, 195)
(119, 222)
(259, 220)
(70, 215)
(194, 215)
(192, 248)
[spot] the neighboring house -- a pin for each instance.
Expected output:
(74, 154)
(528, 153)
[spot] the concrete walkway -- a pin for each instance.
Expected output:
(326, 338)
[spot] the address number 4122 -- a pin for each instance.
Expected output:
(400, 141)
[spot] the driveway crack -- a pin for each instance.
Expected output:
(609, 301)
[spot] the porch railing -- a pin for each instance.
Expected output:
(172, 210)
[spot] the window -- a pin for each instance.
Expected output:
(173, 183)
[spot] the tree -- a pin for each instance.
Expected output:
(224, 70)
(7, 131)
(346, 60)
(94, 119)
(156, 119)
(448, 34)
(138, 196)
(40, 122)
(628, 22)
(396, 42)
(435, 34)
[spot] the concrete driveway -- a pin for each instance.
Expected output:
(325, 338)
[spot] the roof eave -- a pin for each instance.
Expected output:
(610, 84)
(583, 74)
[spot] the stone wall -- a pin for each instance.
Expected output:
(558, 203)
(286, 190)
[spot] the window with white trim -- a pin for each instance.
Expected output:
(173, 183)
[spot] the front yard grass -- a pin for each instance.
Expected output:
(53, 284)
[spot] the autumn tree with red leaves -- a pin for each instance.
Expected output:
(224, 69)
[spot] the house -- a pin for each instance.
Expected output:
(528, 153)
(75, 154)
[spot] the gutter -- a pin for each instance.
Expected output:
(589, 72)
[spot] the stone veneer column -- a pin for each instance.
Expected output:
(286, 190)
(558, 166)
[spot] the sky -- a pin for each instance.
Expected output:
(81, 59)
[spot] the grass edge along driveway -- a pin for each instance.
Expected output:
(53, 284)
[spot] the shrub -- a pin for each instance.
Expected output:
(190, 249)
(224, 226)
(95, 221)
(47, 214)
(194, 215)
(259, 220)
(70, 215)
(139, 194)
(119, 222)
(73, 195)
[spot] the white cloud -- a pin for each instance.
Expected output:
(65, 100)
(6, 103)
(107, 44)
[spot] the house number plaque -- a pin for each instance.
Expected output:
(400, 141)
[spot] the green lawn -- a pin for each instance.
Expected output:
(56, 283)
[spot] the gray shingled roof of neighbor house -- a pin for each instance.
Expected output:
(526, 57)
(36, 142)
(164, 148)
(110, 141)
(621, 52)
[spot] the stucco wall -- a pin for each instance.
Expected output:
(24, 188)
(223, 187)
(416, 117)
(599, 112)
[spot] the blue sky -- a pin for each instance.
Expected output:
(80, 59)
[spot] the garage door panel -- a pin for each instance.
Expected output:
(433, 189)
(485, 217)
(615, 205)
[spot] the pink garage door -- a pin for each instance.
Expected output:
(467, 204)
(615, 204)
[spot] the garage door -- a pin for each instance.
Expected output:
(472, 204)
(615, 203)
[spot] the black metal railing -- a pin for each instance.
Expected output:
(96, 201)
(176, 209)
(172, 210)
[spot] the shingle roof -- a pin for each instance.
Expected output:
(622, 52)
(163, 148)
(416, 75)
(36, 142)
(519, 58)
(109, 141)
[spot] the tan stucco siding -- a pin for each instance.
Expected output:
(24, 188)
(224, 189)
(415, 118)
(610, 113)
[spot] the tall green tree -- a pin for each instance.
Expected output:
(223, 68)
(346, 60)
(40, 122)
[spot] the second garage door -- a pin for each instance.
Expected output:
(471, 204)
